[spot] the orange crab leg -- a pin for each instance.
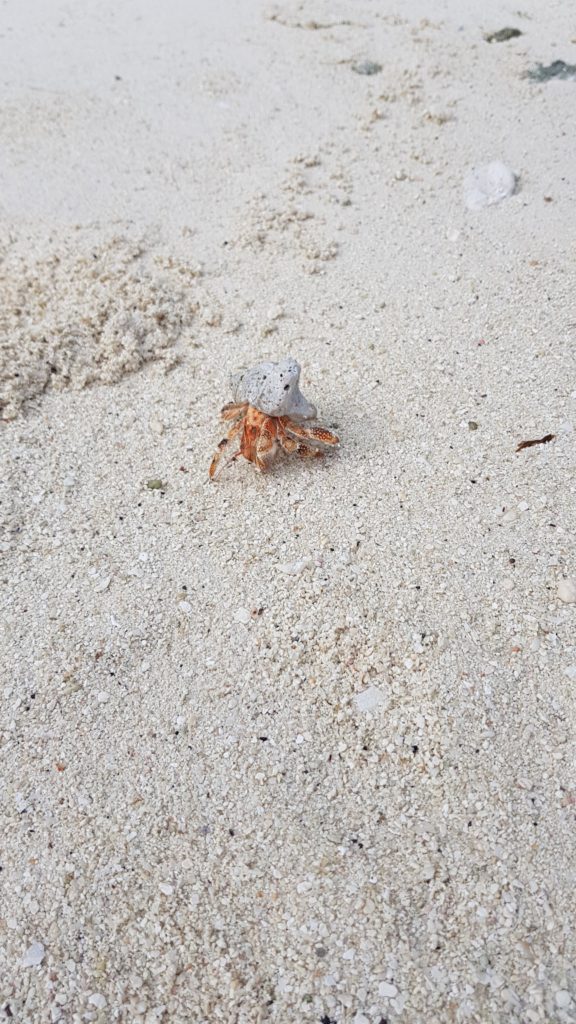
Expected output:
(248, 444)
(232, 433)
(294, 447)
(266, 442)
(289, 444)
(255, 423)
(306, 452)
(309, 433)
(233, 410)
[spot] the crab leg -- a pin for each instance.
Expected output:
(265, 442)
(289, 444)
(294, 447)
(233, 410)
(309, 433)
(232, 433)
(306, 452)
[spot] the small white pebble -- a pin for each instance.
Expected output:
(508, 584)
(295, 568)
(570, 672)
(69, 480)
(185, 607)
(563, 999)
(103, 697)
(487, 185)
(510, 516)
(242, 615)
(102, 584)
(166, 888)
(567, 591)
(34, 955)
(386, 990)
(97, 1000)
(523, 506)
(369, 699)
(156, 426)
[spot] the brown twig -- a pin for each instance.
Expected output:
(539, 440)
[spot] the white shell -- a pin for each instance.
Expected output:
(273, 389)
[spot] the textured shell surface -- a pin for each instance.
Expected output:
(273, 388)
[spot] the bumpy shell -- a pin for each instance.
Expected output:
(273, 389)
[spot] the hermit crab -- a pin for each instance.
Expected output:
(268, 412)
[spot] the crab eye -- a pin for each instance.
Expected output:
(286, 387)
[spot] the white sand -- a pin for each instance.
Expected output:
(200, 823)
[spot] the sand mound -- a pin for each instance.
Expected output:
(73, 314)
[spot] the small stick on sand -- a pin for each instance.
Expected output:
(539, 440)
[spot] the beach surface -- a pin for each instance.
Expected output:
(296, 746)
